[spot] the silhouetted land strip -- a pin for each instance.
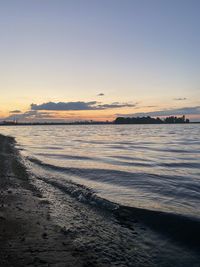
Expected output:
(118, 120)
(11, 123)
(149, 120)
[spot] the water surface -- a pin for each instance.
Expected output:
(154, 167)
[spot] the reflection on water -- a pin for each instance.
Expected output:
(151, 166)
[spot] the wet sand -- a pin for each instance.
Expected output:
(44, 226)
(28, 237)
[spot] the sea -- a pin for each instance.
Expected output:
(152, 167)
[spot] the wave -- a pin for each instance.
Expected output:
(136, 147)
(80, 192)
(64, 156)
(177, 227)
(46, 147)
(119, 177)
(108, 160)
(144, 182)
(193, 165)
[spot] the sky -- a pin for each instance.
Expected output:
(96, 60)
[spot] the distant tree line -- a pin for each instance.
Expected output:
(149, 120)
(119, 120)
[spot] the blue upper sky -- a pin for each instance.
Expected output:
(143, 53)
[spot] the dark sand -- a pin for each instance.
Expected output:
(38, 231)
(28, 237)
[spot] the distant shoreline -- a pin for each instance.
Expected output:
(84, 123)
(118, 120)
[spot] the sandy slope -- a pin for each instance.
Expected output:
(28, 237)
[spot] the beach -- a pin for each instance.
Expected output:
(46, 225)
(99, 133)
(28, 237)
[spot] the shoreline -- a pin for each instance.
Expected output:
(93, 124)
(28, 237)
(43, 226)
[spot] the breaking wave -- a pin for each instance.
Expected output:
(182, 228)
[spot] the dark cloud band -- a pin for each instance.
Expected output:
(68, 106)
(15, 111)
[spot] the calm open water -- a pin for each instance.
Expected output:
(150, 166)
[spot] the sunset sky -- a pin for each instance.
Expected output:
(88, 59)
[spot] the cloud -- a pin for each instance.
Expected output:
(101, 94)
(15, 111)
(30, 115)
(64, 106)
(150, 106)
(168, 112)
(180, 99)
(69, 106)
(49, 111)
(115, 105)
